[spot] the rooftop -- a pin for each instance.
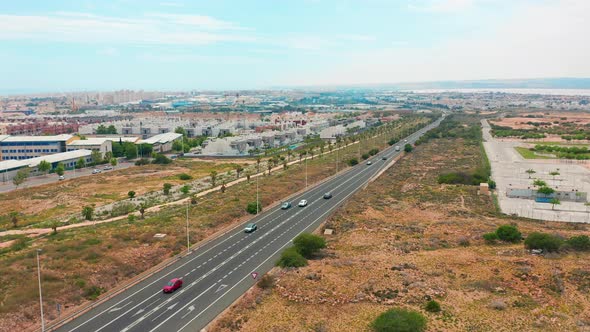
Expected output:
(161, 138)
(53, 158)
(62, 137)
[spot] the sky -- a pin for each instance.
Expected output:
(82, 45)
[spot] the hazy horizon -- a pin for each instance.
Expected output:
(223, 45)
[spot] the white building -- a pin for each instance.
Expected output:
(162, 142)
(9, 168)
(100, 144)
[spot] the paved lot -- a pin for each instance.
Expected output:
(508, 170)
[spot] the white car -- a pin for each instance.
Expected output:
(108, 168)
(61, 178)
(96, 171)
(302, 203)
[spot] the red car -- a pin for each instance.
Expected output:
(172, 285)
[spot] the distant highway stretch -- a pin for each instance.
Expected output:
(219, 272)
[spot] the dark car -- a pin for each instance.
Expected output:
(384, 158)
(172, 285)
(328, 195)
(250, 228)
(285, 205)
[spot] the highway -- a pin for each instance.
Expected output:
(220, 271)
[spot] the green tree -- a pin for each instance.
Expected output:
(131, 194)
(530, 172)
(13, 218)
(554, 174)
(239, 170)
(44, 166)
(166, 188)
(108, 155)
(21, 176)
(508, 233)
(308, 244)
(101, 130)
(248, 175)
(60, 169)
(352, 162)
(545, 191)
(180, 130)
(251, 207)
(213, 176)
(81, 163)
(131, 151)
(399, 320)
(88, 212)
(542, 241)
(111, 129)
(113, 162)
(432, 306)
(96, 157)
(579, 243)
(54, 224)
(185, 189)
(291, 258)
(141, 208)
(408, 148)
(554, 201)
(539, 183)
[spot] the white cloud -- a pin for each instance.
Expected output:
(90, 28)
(546, 39)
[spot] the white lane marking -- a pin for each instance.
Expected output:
(190, 309)
(121, 307)
(221, 287)
(163, 312)
(359, 174)
(257, 267)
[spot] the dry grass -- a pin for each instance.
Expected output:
(76, 260)
(405, 240)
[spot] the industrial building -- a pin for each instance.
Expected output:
(27, 147)
(9, 168)
(100, 144)
(162, 142)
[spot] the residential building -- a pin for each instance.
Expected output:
(26, 147)
(9, 168)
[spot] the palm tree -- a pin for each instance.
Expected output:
(213, 178)
(223, 187)
(239, 170)
(54, 224)
(258, 160)
(14, 218)
(141, 209)
(554, 201)
(530, 172)
(289, 154)
(248, 174)
(269, 167)
(284, 164)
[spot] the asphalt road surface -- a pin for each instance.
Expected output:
(216, 274)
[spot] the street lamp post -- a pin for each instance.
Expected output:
(305, 172)
(40, 293)
(256, 194)
(188, 241)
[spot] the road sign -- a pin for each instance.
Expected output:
(254, 275)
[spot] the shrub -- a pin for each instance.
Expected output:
(131, 218)
(352, 162)
(373, 152)
(251, 208)
(509, 233)
(579, 243)
(93, 292)
(408, 148)
(308, 244)
(185, 189)
(490, 237)
(543, 241)
(432, 306)
(492, 184)
(122, 208)
(399, 320)
(291, 258)
(266, 282)
(131, 194)
(365, 156)
(184, 176)
(166, 188)
(161, 159)
(142, 161)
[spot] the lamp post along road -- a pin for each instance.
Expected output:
(188, 241)
(257, 195)
(40, 293)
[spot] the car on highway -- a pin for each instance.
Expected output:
(369, 163)
(302, 203)
(405, 140)
(285, 205)
(327, 195)
(384, 158)
(108, 168)
(61, 178)
(96, 171)
(172, 285)
(251, 227)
